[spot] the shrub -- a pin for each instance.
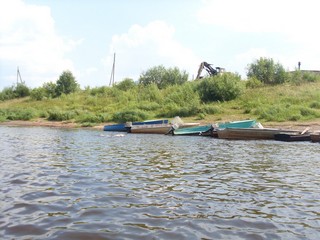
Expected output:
(253, 82)
(21, 114)
(91, 118)
(223, 87)
(21, 90)
(129, 116)
(66, 83)
(58, 115)
(266, 71)
(126, 84)
(38, 94)
(163, 77)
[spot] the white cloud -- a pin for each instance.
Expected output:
(147, 46)
(28, 39)
(293, 22)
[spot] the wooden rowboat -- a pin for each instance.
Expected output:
(251, 133)
(163, 128)
(125, 127)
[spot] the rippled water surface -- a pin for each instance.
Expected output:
(85, 184)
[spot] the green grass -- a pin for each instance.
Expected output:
(279, 103)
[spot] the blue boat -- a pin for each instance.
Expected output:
(125, 127)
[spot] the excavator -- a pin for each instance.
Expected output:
(211, 71)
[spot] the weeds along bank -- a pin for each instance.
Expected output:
(278, 96)
(278, 103)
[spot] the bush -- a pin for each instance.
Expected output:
(58, 115)
(163, 77)
(223, 87)
(298, 77)
(91, 118)
(266, 71)
(21, 114)
(126, 84)
(129, 116)
(66, 83)
(38, 94)
(253, 82)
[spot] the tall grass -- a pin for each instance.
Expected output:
(285, 102)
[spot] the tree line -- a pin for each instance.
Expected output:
(224, 87)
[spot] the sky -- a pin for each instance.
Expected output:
(43, 38)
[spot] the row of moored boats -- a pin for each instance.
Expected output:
(241, 130)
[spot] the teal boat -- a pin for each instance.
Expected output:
(237, 124)
(233, 125)
(194, 131)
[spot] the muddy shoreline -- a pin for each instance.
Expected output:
(313, 126)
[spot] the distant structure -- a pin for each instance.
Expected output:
(19, 77)
(111, 83)
(299, 64)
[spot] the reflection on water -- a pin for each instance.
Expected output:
(82, 184)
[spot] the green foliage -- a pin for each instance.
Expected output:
(24, 114)
(266, 71)
(66, 83)
(223, 87)
(59, 115)
(91, 118)
(163, 77)
(17, 91)
(21, 90)
(38, 94)
(126, 84)
(50, 89)
(7, 93)
(298, 77)
(253, 82)
(130, 116)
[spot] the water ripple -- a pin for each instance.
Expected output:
(81, 184)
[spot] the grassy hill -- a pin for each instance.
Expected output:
(278, 103)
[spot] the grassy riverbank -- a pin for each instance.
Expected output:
(271, 105)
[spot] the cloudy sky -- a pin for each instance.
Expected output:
(45, 37)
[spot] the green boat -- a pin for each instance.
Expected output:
(194, 131)
(237, 124)
(211, 129)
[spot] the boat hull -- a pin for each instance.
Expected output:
(151, 128)
(125, 127)
(287, 137)
(251, 133)
(315, 137)
(194, 131)
(237, 124)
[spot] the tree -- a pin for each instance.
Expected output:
(126, 84)
(266, 71)
(66, 83)
(163, 77)
(223, 87)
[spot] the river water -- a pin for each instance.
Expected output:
(89, 184)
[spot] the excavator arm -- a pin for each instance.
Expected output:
(209, 69)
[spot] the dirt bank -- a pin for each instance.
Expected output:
(313, 125)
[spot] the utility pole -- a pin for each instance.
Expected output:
(19, 76)
(111, 83)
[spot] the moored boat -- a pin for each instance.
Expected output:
(163, 128)
(205, 130)
(251, 133)
(125, 127)
(315, 137)
(292, 137)
(237, 124)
